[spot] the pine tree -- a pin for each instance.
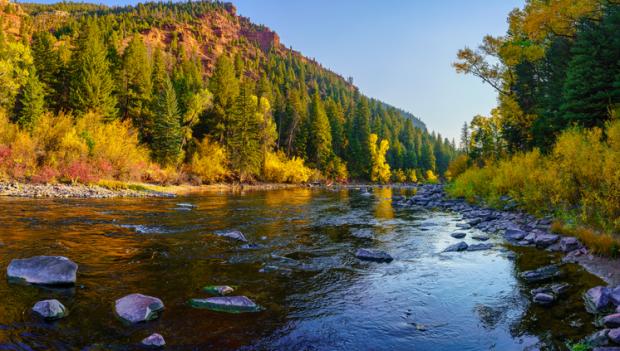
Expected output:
(319, 134)
(136, 85)
(359, 144)
(336, 122)
(48, 66)
(31, 102)
(92, 86)
(225, 87)
(167, 138)
(244, 142)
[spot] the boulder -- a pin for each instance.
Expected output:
(458, 235)
(569, 243)
(514, 234)
(229, 304)
(373, 255)
(543, 299)
(50, 309)
(597, 299)
(460, 246)
(479, 247)
(480, 237)
(614, 335)
(154, 340)
(47, 270)
(137, 308)
(232, 234)
(598, 338)
(541, 274)
(544, 240)
(463, 225)
(218, 289)
(612, 321)
(615, 295)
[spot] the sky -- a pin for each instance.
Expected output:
(398, 51)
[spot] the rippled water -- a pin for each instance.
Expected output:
(317, 295)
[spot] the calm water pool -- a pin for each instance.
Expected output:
(317, 295)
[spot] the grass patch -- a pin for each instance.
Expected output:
(605, 244)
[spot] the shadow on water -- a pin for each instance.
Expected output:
(301, 267)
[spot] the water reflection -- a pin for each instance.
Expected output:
(317, 294)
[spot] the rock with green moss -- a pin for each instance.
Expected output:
(229, 304)
(220, 290)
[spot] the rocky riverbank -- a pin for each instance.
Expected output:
(521, 229)
(72, 191)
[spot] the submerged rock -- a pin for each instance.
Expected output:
(541, 274)
(362, 233)
(597, 299)
(50, 309)
(137, 308)
(232, 234)
(218, 289)
(612, 321)
(460, 246)
(373, 255)
(480, 237)
(229, 304)
(47, 270)
(154, 340)
(479, 247)
(186, 205)
(544, 299)
(458, 235)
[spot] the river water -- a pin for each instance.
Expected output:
(316, 294)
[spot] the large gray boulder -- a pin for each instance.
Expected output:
(154, 340)
(50, 309)
(544, 299)
(47, 270)
(137, 308)
(460, 246)
(545, 240)
(597, 299)
(458, 235)
(229, 304)
(514, 234)
(541, 274)
(479, 247)
(373, 255)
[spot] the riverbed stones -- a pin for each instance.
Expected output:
(479, 247)
(232, 234)
(220, 290)
(458, 235)
(460, 246)
(45, 270)
(597, 299)
(545, 240)
(363, 233)
(154, 341)
(612, 320)
(480, 237)
(569, 243)
(514, 234)
(541, 274)
(598, 338)
(463, 225)
(614, 335)
(614, 295)
(373, 255)
(50, 309)
(136, 308)
(544, 299)
(228, 304)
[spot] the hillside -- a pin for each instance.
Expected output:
(206, 63)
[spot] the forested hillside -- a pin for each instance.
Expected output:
(173, 92)
(553, 142)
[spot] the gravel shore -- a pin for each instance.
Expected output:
(72, 191)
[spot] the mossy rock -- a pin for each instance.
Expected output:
(228, 304)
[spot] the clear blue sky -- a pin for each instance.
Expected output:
(399, 51)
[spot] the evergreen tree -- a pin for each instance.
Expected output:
(225, 87)
(244, 143)
(359, 144)
(92, 86)
(167, 138)
(32, 101)
(336, 123)
(136, 87)
(48, 65)
(319, 134)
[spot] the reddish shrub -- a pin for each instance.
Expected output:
(45, 175)
(80, 171)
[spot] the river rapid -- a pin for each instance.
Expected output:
(300, 266)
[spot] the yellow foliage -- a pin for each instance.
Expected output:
(399, 176)
(336, 170)
(279, 169)
(209, 162)
(412, 175)
(380, 169)
(458, 165)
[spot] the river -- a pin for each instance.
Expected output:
(301, 268)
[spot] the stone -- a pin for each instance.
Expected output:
(597, 299)
(458, 235)
(541, 274)
(46, 270)
(544, 299)
(229, 304)
(463, 225)
(218, 289)
(460, 246)
(136, 308)
(185, 205)
(232, 234)
(514, 234)
(479, 247)
(569, 243)
(373, 255)
(50, 309)
(480, 237)
(545, 240)
(612, 320)
(598, 338)
(362, 233)
(154, 340)
(615, 295)
(606, 348)
(614, 335)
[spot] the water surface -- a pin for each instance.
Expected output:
(301, 268)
